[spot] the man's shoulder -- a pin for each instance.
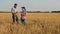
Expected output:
(13, 8)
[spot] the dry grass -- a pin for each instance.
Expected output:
(36, 23)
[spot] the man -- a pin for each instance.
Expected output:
(14, 12)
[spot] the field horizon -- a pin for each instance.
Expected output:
(33, 11)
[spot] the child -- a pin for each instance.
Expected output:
(14, 12)
(23, 15)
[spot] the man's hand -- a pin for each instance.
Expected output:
(17, 13)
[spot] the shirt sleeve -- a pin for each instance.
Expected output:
(12, 10)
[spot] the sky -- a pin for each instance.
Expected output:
(31, 5)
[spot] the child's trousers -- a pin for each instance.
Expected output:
(23, 20)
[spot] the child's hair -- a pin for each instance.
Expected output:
(23, 7)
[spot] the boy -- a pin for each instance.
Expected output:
(14, 12)
(23, 15)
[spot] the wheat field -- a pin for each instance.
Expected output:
(36, 23)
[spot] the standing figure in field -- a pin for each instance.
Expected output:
(14, 12)
(23, 15)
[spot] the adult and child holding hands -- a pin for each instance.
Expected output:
(14, 14)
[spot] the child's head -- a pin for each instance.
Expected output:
(23, 7)
(15, 5)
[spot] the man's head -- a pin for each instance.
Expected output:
(15, 5)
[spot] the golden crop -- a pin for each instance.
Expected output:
(36, 23)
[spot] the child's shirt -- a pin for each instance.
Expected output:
(24, 12)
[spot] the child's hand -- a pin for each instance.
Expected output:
(17, 12)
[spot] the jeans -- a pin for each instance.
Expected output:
(15, 18)
(23, 20)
